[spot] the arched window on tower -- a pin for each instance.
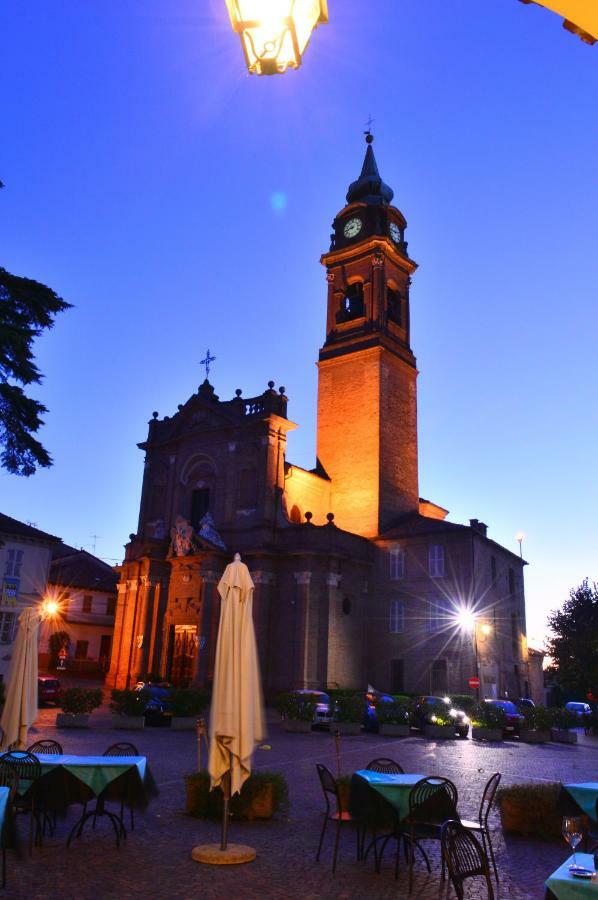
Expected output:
(393, 305)
(352, 303)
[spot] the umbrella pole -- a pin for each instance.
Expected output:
(225, 811)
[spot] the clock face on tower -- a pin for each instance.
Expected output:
(395, 232)
(352, 228)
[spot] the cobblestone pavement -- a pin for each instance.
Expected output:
(155, 861)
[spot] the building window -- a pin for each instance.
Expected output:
(346, 606)
(511, 581)
(200, 505)
(397, 563)
(87, 602)
(396, 621)
(352, 303)
(442, 614)
(14, 561)
(7, 627)
(110, 606)
(397, 685)
(81, 649)
(439, 677)
(393, 306)
(436, 560)
(493, 569)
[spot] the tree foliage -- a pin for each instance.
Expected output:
(27, 308)
(574, 642)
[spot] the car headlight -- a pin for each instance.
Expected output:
(433, 719)
(453, 713)
(465, 720)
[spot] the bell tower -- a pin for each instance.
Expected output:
(367, 405)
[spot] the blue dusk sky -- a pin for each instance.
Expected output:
(180, 204)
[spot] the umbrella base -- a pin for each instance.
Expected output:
(214, 856)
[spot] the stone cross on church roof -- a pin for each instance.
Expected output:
(206, 362)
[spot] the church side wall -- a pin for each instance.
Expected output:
(309, 493)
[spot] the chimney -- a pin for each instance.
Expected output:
(478, 526)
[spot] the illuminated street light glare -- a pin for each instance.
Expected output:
(50, 608)
(520, 536)
(275, 33)
(486, 629)
(465, 619)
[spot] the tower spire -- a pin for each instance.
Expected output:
(369, 187)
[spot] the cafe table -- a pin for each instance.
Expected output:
(68, 779)
(395, 789)
(563, 886)
(585, 795)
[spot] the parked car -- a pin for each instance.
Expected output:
(513, 718)
(156, 695)
(583, 711)
(49, 690)
(525, 703)
(323, 714)
(428, 708)
(370, 718)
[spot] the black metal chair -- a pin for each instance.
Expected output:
(123, 748)
(28, 770)
(334, 812)
(46, 748)
(481, 825)
(385, 766)
(464, 857)
(432, 801)
(10, 780)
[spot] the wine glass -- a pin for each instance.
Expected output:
(573, 833)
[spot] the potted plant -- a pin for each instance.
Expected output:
(297, 711)
(563, 723)
(186, 704)
(393, 718)
(128, 709)
(536, 728)
(263, 794)
(439, 725)
(488, 722)
(348, 714)
(530, 810)
(77, 704)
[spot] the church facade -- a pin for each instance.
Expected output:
(357, 579)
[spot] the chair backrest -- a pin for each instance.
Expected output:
(25, 764)
(121, 749)
(329, 786)
(9, 779)
(464, 856)
(433, 800)
(46, 748)
(488, 797)
(385, 766)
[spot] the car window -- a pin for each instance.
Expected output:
(506, 705)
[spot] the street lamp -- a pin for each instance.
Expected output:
(520, 537)
(275, 33)
(50, 608)
(467, 621)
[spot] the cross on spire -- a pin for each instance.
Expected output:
(368, 131)
(206, 362)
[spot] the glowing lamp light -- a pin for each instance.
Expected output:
(486, 630)
(50, 608)
(275, 33)
(465, 620)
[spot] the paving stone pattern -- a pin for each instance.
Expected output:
(155, 861)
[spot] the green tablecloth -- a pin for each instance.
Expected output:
(394, 788)
(564, 886)
(585, 795)
(97, 772)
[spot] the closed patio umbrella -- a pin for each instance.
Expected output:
(236, 717)
(20, 707)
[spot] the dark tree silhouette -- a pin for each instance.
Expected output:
(574, 642)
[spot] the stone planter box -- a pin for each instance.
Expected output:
(297, 726)
(530, 819)
(439, 732)
(486, 734)
(394, 729)
(183, 723)
(563, 736)
(130, 723)
(72, 720)
(534, 737)
(346, 727)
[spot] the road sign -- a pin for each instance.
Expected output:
(474, 682)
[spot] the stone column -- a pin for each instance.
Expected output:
(300, 673)
(208, 621)
(327, 646)
(118, 641)
(262, 605)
